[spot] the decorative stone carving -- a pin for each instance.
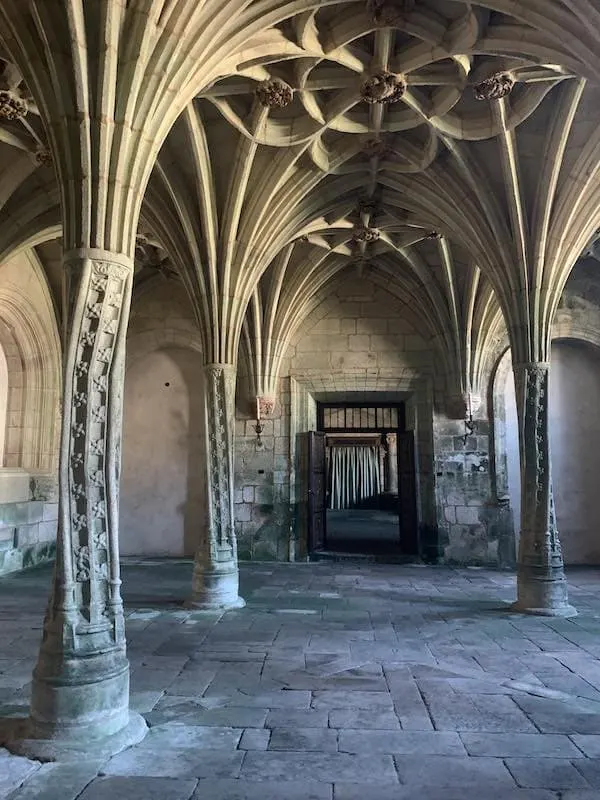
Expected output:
(43, 156)
(389, 12)
(82, 668)
(495, 87)
(216, 579)
(274, 93)
(366, 235)
(383, 87)
(12, 105)
(265, 406)
(542, 587)
(434, 235)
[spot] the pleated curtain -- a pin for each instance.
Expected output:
(354, 475)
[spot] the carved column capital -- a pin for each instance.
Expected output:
(265, 405)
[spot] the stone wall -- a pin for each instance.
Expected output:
(29, 415)
(357, 343)
(28, 520)
(163, 476)
(474, 528)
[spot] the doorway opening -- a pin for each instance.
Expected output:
(362, 495)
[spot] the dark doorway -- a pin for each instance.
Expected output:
(362, 494)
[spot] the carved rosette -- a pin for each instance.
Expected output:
(366, 235)
(389, 13)
(274, 93)
(220, 397)
(495, 87)
(12, 105)
(43, 156)
(90, 442)
(383, 87)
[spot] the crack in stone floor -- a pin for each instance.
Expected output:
(336, 682)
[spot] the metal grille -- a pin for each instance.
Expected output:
(361, 418)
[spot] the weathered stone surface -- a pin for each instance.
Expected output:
(447, 657)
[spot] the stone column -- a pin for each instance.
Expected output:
(541, 582)
(215, 583)
(80, 691)
(392, 463)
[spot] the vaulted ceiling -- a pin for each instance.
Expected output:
(448, 149)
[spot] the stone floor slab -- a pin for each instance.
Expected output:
(139, 788)
(519, 745)
(324, 767)
(546, 773)
(450, 771)
(263, 790)
(319, 740)
(401, 742)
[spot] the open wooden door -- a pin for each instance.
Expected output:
(317, 491)
(407, 490)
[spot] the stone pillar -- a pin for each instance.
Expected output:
(80, 691)
(392, 463)
(215, 582)
(541, 582)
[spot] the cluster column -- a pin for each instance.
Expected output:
(541, 582)
(80, 692)
(215, 583)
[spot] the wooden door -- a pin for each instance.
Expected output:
(317, 491)
(407, 491)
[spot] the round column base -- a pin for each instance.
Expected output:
(566, 610)
(18, 736)
(200, 604)
(216, 588)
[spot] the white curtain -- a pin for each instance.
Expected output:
(354, 475)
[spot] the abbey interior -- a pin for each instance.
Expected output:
(299, 380)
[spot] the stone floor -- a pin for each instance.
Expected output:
(339, 681)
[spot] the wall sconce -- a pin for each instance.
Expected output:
(470, 426)
(259, 427)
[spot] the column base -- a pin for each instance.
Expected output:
(566, 610)
(543, 593)
(19, 737)
(215, 589)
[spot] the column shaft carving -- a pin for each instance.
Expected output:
(216, 577)
(542, 587)
(81, 681)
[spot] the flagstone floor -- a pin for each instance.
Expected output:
(338, 681)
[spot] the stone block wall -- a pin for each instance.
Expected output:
(28, 521)
(473, 528)
(358, 340)
(262, 478)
